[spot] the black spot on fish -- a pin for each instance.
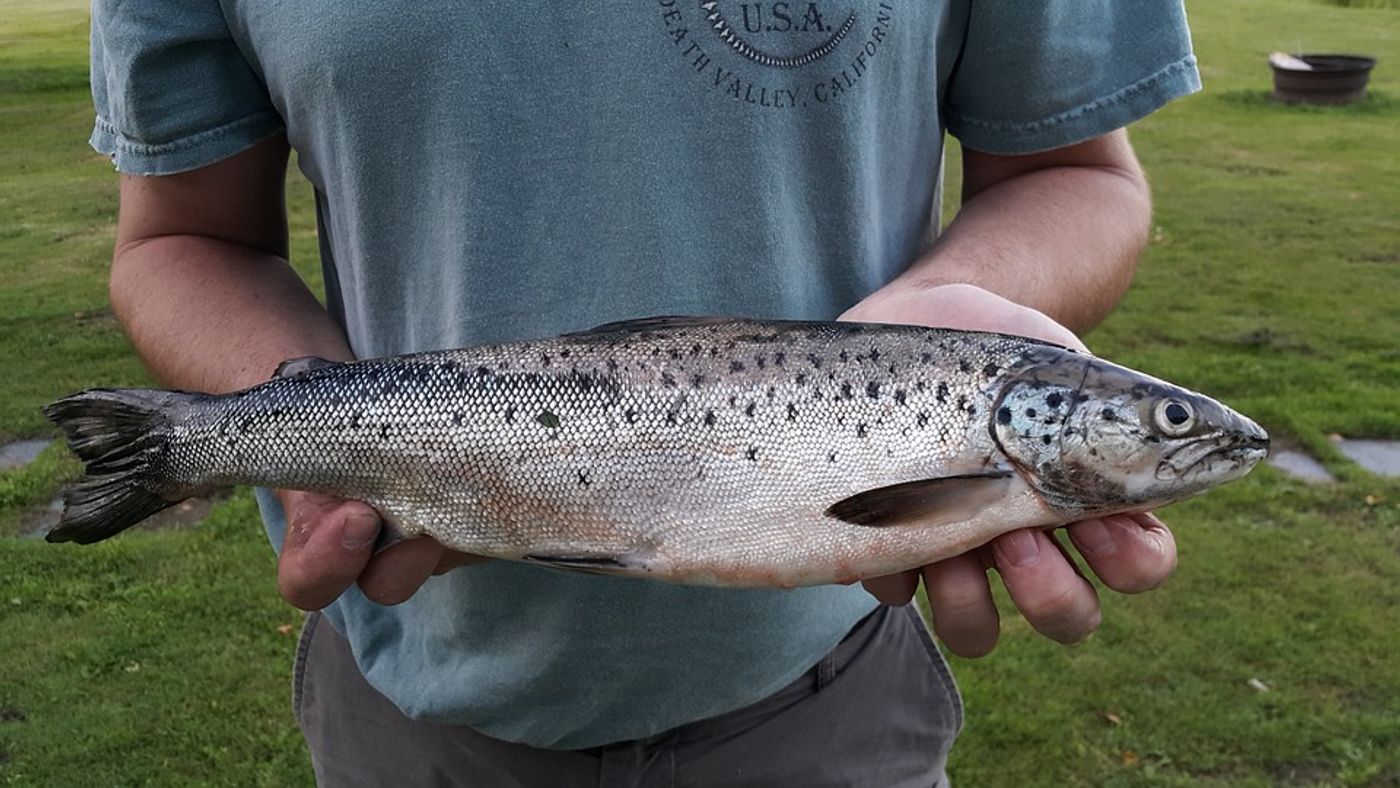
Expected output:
(991, 370)
(671, 417)
(846, 391)
(564, 353)
(1108, 414)
(548, 419)
(779, 358)
(1054, 400)
(801, 379)
(697, 380)
(760, 361)
(860, 430)
(736, 366)
(872, 389)
(544, 359)
(612, 365)
(709, 418)
(630, 415)
(355, 419)
(962, 402)
(583, 479)
(675, 355)
(874, 354)
(923, 419)
(458, 418)
(926, 358)
(899, 396)
(752, 454)
(942, 394)
(791, 412)
(510, 414)
(668, 380)
(972, 410)
(748, 411)
(844, 356)
(696, 349)
(1030, 413)
(384, 432)
(1045, 439)
(1093, 452)
(733, 400)
(831, 456)
(964, 365)
(1004, 415)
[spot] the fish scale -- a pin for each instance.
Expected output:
(742, 453)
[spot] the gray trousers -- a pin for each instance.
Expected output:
(880, 710)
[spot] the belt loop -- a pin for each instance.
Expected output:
(826, 670)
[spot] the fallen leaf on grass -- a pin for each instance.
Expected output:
(1130, 758)
(1372, 499)
(1110, 717)
(285, 629)
(1257, 685)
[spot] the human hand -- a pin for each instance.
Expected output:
(329, 545)
(1129, 553)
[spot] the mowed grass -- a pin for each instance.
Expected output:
(1272, 281)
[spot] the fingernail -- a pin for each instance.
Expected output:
(360, 531)
(1018, 548)
(1093, 537)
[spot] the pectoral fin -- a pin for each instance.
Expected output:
(596, 564)
(951, 499)
(296, 367)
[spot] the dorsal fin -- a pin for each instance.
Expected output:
(655, 323)
(950, 499)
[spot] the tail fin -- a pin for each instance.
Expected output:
(122, 435)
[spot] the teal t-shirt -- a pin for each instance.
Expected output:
(504, 169)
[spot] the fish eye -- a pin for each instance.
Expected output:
(1175, 417)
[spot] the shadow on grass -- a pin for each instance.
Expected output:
(1376, 102)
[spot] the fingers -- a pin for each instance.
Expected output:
(1130, 553)
(451, 559)
(397, 573)
(1045, 585)
(965, 616)
(328, 544)
(893, 590)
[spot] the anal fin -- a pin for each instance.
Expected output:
(950, 499)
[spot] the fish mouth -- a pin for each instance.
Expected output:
(1224, 456)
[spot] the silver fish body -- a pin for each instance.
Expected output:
(738, 453)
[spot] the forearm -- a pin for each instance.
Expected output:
(1062, 239)
(211, 315)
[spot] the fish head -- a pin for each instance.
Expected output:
(1092, 437)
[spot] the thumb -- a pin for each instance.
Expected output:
(327, 546)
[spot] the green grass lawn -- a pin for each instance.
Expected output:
(1272, 282)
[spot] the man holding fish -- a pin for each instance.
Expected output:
(483, 177)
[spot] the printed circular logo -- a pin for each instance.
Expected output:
(779, 55)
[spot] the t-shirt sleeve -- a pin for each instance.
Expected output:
(1039, 75)
(172, 90)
